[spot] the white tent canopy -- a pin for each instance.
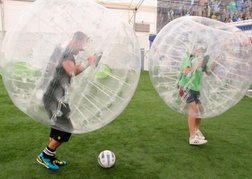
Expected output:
(130, 2)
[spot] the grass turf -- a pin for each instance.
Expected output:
(149, 140)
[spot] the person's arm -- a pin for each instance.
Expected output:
(70, 68)
(74, 70)
(209, 70)
(209, 67)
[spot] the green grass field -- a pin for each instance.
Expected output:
(149, 140)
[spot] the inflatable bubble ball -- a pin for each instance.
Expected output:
(70, 64)
(196, 60)
(249, 92)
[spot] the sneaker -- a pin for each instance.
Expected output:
(197, 141)
(59, 162)
(47, 162)
(200, 135)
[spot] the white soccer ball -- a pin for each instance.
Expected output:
(106, 159)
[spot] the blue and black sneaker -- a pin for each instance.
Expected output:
(59, 162)
(50, 164)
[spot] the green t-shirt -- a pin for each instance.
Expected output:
(192, 80)
(232, 6)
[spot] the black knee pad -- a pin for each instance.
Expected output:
(60, 136)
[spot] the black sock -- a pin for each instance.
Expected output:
(49, 153)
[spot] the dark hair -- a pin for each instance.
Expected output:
(80, 36)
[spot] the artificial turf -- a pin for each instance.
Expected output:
(148, 139)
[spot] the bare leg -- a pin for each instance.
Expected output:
(197, 123)
(53, 144)
(198, 120)
(192, 109)
(194, 124)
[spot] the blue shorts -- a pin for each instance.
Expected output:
(193, 96)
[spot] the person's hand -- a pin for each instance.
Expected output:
(213, 65)
(187, 71)
(91, 59)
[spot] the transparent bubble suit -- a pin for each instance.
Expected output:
(249, 92)
(97, 95)
(226, 47)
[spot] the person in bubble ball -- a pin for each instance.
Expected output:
(55, 102)
(193, 66)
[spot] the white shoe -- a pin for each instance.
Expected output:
(197, 141)
(200, 135)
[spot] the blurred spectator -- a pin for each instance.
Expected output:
(247, 15)
(247, 3)
(214, 17)
(232, 8)
(222, 10)
(208, 10)
(235, 16)
(216, 5)
(225, 14)
(239, 5)
(203, 2)
(229, 19)
(241, 17)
